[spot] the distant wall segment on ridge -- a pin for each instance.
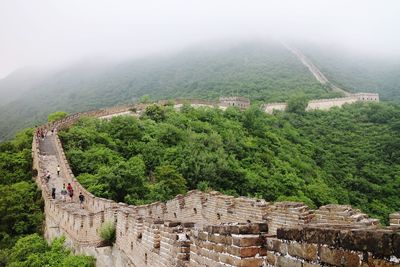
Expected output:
(212, 229)
(325, 104)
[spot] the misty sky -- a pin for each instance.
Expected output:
(37, 32)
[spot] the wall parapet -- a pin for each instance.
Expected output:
(326, 103)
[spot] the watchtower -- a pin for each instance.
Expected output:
(234, 101)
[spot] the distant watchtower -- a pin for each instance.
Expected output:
(234, 101)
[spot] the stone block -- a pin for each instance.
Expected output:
(318, 235)
(228, 259)
(217, 238)
(295, 234)
(377, 242)
(247, 240)
(243, 252)
(287, 262)
(250, 262)
(271, 258)
(379, 263)
(338, 257)
(276, 245)
(220, 248)
(303, 250)
(203, 236)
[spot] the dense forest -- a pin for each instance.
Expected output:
(348, 155)
(261, 71)
(21, 214)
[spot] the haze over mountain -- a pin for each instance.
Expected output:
(261, 71)
(45, 32)
(264, 71)
(103, 53)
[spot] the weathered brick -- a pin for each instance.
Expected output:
(378, 242)
(290, 234)
(325, 236)
(276, 245)
(243, 251)
(303, 250)
(249, 262)
(286, 262)
(379, 263)
(228, 259)
(217, 238)
(338, 257)
(246, 240)
(271, 258)
(203, 236)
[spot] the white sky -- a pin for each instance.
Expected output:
(34, 32)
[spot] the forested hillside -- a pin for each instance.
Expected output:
(347, 156)
(21, 214)
(260, 71)
(358, 73)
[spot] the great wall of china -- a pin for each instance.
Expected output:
(208, 229)
(325, 104)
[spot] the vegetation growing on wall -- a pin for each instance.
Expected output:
(107, 233)
(347, 156)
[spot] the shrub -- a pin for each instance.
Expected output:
(107, 233)
(56, 116)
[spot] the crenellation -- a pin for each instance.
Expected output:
(394, 219)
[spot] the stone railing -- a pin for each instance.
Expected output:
(212, 229)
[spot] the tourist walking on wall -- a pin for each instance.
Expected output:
(81, 199)
(63, 193)
(58, 170)
(70, 191)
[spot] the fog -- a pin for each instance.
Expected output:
(44, 32)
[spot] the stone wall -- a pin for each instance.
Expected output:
(212, 229)
(271, 107)
(234, 101)
(325, 104)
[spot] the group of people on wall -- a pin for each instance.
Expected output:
(65, 191)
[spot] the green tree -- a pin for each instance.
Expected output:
(169, 183)
(297, 104)
(58, 115)
(33, 251)
(144, 99)
(155, 112)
